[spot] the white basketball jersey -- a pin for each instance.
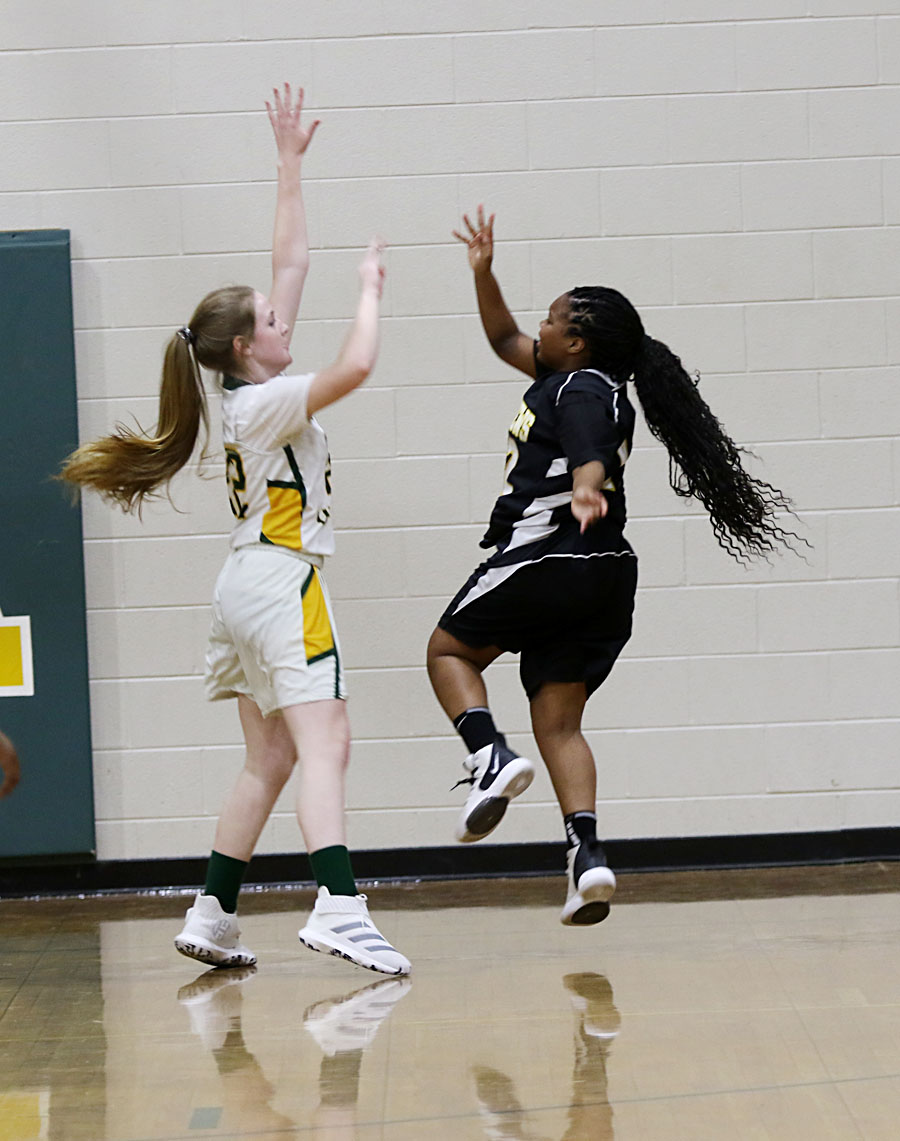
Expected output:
(277, 466)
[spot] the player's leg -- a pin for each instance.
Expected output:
(556, 713)
(269, 761)
(497, 774)
(320, 731)
(455, 671)
(340, 923)
(211, 932)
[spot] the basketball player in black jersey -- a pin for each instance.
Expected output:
(559, 587)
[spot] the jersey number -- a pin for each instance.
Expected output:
(237, 482)
(512, 458)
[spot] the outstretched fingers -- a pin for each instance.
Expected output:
(284, 112)
(483, 229)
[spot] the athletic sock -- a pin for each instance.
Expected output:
(224, 876)
(580, 826)
(332, 869)
(476, 727)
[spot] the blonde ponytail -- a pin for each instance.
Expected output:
(129, 466)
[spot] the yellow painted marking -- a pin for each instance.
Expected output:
(12, 670)
(23, 1115)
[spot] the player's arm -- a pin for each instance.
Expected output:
(500, 328)
(290, 244)
(360, 350)
(588, 501)
(590, 440)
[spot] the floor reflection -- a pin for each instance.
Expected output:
(343, 1028)
(590, 1115)
(213, 1003)
(736, 1013)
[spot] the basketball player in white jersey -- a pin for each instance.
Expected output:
(273, 644)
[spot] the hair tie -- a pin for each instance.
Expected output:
(186, 335)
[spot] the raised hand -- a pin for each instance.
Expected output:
(480, 241)
(371, 269)
(291, 137)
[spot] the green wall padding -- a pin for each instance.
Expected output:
(51, 813)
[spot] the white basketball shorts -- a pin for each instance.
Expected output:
(273, 635)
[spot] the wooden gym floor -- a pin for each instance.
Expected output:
(758, 1004)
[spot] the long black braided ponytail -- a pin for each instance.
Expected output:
(704, 462)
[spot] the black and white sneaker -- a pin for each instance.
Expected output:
(591, 885)
(498, 775)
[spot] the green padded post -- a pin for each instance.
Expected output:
(51, 813)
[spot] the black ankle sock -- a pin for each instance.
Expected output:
(476, 727)
(580, 826)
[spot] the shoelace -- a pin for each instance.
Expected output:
(465, 780)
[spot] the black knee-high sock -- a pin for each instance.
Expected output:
(476, 727)
(580, 826)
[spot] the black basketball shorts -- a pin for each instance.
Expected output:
(567, 616)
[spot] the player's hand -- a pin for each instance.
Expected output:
(588, 506)
(291, 136)
(480, 241)
(9, 766)
(371, 268)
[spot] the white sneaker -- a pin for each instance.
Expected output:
(498, 775)
(351, 1022)
(340, 925)
(211, 935)
(213, 1003)
(591, 885)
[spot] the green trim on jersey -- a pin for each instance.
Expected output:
(332, 653)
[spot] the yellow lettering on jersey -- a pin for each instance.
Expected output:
(281, 523)
(523, 423)
(318, 638)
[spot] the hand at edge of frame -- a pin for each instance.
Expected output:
(9, 766)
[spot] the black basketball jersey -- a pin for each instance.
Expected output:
(565, 420)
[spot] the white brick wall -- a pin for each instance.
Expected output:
(733, 165)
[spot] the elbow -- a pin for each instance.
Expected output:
(504, 346)
(358, 370)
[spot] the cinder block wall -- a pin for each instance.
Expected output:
(732, 166)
